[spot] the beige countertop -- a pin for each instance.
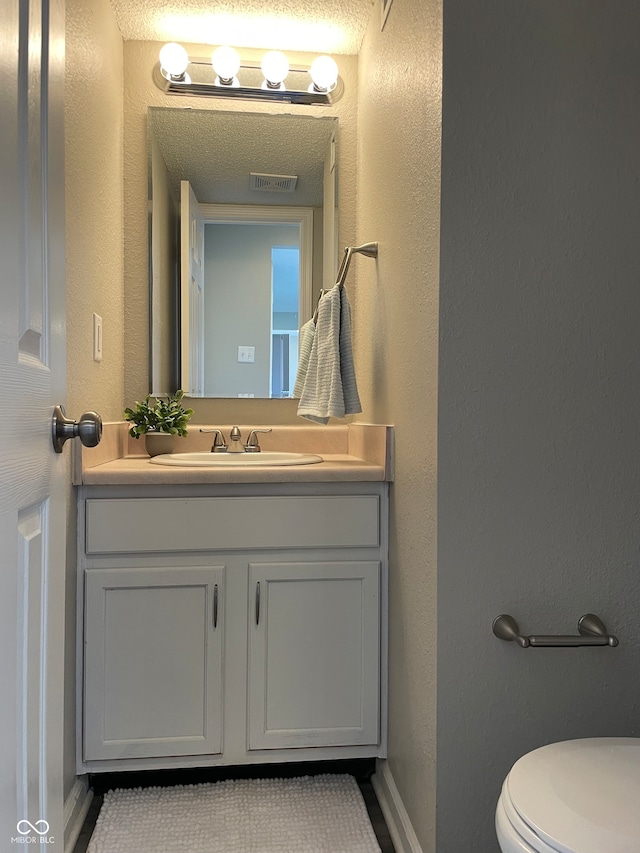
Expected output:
(354, 452)
(138, 470)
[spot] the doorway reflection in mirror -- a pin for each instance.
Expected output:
(251, 299)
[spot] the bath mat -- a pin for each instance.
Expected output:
(307, 814)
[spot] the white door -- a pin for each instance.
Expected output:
(191, 292)
(153, 662)
(32, 381)
(314, 654)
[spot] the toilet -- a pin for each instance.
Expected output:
(577, 796)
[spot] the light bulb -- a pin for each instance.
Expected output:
(174, 59)
(324, 73)
(226, 64)
(275, 67)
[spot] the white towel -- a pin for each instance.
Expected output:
(307, 334)
(330, 388)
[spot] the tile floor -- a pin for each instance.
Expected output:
(103, 783)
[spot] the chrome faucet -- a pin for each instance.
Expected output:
(219, 445)
(252, 445)
(235, 441)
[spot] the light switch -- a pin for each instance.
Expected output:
(247, 355)
(97, 337)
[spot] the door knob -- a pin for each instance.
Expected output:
(88, 429)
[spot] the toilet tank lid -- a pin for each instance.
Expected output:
(581, 796)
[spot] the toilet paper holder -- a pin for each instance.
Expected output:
(591, 632)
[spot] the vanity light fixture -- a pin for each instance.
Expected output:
(324, 74)
(226, 63)
(226, 76)
(275, 67)
(174, 61)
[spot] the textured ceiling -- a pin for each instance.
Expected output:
(317, 26)
(231, 145)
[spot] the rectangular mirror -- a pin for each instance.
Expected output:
(251, 199)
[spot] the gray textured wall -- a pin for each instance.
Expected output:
(539, 451)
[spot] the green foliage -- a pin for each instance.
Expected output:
(166, 415)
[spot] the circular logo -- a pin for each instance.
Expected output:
(40, 826)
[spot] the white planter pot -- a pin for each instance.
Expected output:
(158, 442)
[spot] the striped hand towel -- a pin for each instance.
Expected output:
(330, 388)
(307, 335)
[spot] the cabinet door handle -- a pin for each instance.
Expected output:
(258, 603)
(215, 606)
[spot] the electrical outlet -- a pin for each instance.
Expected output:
(246, 355)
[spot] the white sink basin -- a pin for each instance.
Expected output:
(206, 459)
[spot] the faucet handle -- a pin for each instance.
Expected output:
(252, 445)
(219, 445)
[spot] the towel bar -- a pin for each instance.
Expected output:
(368, 249)
(592, 632)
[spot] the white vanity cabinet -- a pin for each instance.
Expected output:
(314, 654)
(153, 661)
(231, 624)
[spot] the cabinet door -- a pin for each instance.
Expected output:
(314, 654)
(153, 662)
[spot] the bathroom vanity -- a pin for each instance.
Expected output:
(231, 617)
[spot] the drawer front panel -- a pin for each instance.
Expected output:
(237, 523)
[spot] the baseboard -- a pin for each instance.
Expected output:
(76, 806)
(396, 817)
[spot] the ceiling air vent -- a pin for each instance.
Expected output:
(273, 183)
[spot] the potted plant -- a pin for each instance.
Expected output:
(159, 422)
